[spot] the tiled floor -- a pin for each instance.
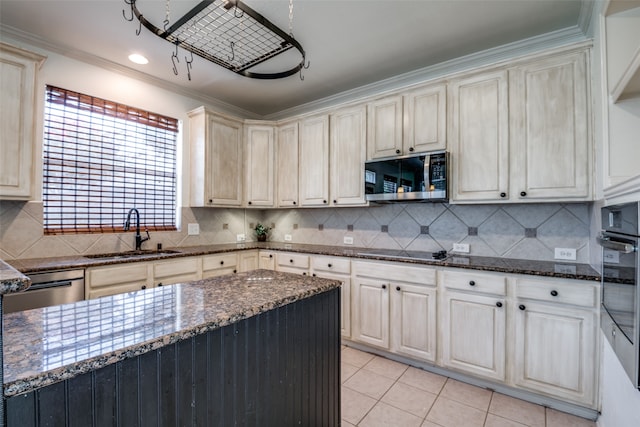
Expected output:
(380, 392)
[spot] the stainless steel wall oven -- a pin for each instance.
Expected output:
(620, 320)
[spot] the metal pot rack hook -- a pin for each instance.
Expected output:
(139, 30)
(174, 59)
(235, 12)
(233, 53)
(189, 65)
(304, 67)
(130, 3)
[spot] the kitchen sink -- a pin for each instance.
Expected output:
(132, 254)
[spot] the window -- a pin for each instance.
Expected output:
(102, 159)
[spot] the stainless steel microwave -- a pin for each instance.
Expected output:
(419, 177)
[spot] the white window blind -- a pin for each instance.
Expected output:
(101, 159)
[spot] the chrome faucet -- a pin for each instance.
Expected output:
(127, 225)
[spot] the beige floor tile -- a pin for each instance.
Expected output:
(449, 413)
(562, 419)
(496, 421)
(383, 415)
(430, 424)
(346, 424)
(347, 370)
(517, 410)
(369, 383)
(355, 357)
(410, 399)
(468, 394)
(423, 380)
(386, 367)
(354, 405)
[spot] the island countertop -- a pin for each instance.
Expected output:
(44, 346)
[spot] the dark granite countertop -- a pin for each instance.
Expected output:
(504, 265)
(11, 280)
(44, 346)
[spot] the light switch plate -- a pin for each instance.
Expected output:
(461, 247)
(348, 240)
(287, 237)
(565, 253)
(193, 229)
(240, 238)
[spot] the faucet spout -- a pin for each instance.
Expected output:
(138, 237)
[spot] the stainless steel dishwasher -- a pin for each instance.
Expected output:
(47, 288)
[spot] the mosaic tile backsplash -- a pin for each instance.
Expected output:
(522, 231)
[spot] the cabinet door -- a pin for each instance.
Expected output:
(314, 161)
(425, 121)
(223, 160)
(176, 271)
(556, 350)
(287, 165)
(479, 137)
(219, 265)
(370, 312)
(384, 137)
(248, 261)
(473, 334)
(260, 146)
(345, 300)
(413, 320)
(267, 260)
(112, 280)
(17, 85)
(348, 154)
(550, 129)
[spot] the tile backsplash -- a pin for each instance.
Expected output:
(525, 231)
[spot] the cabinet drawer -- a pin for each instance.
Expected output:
(292, 260)
(214, 262)
(117, 275)
(579, 293)
(181, 267)
(331, 264)
(478, 282)
(396, 272)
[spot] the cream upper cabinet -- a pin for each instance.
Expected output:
(314, 161)
(473, 324)
(348, 134)
(384, 137)
(550, 137)
(425, 119)
(555, 317)
(413, 121)
(216, 159)
(287, 165)
(479, 137)
(17, 122)
(259, 165)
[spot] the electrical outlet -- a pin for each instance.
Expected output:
(565, 253)
(287, 237)
(348, 240)
(461, 247)
(193, 229)
(240, 237)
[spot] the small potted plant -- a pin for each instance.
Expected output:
(261, 232)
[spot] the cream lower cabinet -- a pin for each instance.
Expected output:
(556, 330)
(473, 324)
(117, 279)
(176, 270)
(248, 260)
(292, 263)
(394, 307)
(219, 265)
(267, 260)
(337, 269)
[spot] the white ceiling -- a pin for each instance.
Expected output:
(349, 43)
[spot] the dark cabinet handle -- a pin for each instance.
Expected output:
(503, 195)
(144, 287)
(270, 255)
(324, 201)
(472, 283)
(521, 307)
(410, 148)
(235, 271)
(335, 201)
(314, 274)
(210, 200)
(523, 193)
(329, 265)
(384, 286)
(397, 151)
(294, 202)
(498, 304)
(291, 261)
(554, 293)
(397, 288)
(160, 284)
(304, 273)
(221, 262)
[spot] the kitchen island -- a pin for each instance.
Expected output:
(256, 348)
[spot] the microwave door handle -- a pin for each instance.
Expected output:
(427, 176)
(607, 243)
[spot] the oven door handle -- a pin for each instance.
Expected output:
(47, 285)
(607, 243)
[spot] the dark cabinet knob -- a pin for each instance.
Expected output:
(503, 195)
(554, 293)
(160, 284)
(335, 201)
(221, 262)
(304, 273)
(523, 193)
(144, 287)
(270, 255)
(397, 288)
(314, 274)
(411, 148)
(397, 151)
(235, 271)
(498, 304)
(324, 201)
(249, 202)
(291, 261)
(521, 307)
(210, 200)
(472, 283)
(384, 286)
(294, 202)
(329, 265)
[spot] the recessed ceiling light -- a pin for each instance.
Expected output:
(138, 59)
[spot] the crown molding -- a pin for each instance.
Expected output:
(493, 56)
(20, 36)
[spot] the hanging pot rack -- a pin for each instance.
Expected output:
(228, 33)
